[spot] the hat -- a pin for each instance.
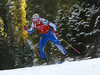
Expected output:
(35, 17)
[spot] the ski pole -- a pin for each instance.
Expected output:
(35, 48)
(37, 52)
(69, 44)
(34, 45)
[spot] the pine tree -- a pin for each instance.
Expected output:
(3, 12)
(62, 20)
(20, 49)
(6, 61)
(82, 26)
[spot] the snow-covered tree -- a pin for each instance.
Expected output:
(6, 60)
(83, 26)
(17, 36)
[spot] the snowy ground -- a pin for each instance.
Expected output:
(86, 67)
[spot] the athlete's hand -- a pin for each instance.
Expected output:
(25, 27)
(53, 31)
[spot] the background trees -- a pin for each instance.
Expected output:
(77, 22)
(6, 59)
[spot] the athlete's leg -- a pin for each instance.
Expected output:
(57, 43)
(41, 47)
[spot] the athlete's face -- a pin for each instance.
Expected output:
(37, 21)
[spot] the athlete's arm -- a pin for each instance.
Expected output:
(30, 31)
(53, 25)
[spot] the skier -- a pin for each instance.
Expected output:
(43, 26)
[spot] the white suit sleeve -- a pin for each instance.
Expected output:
(31, 29)
(53, 25)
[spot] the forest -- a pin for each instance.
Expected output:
(77, 23)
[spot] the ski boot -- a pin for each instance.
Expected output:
(45, 61)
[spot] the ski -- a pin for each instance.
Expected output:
(79, 59)
(74, 59)
(59, 62)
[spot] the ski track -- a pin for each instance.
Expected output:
(85, 67)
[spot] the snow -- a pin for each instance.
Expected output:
(85, 67)
(30, 44)
(97, 20)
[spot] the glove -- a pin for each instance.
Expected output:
(54, 31)
(25, 27)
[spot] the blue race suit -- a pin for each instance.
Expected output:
(49, 36)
